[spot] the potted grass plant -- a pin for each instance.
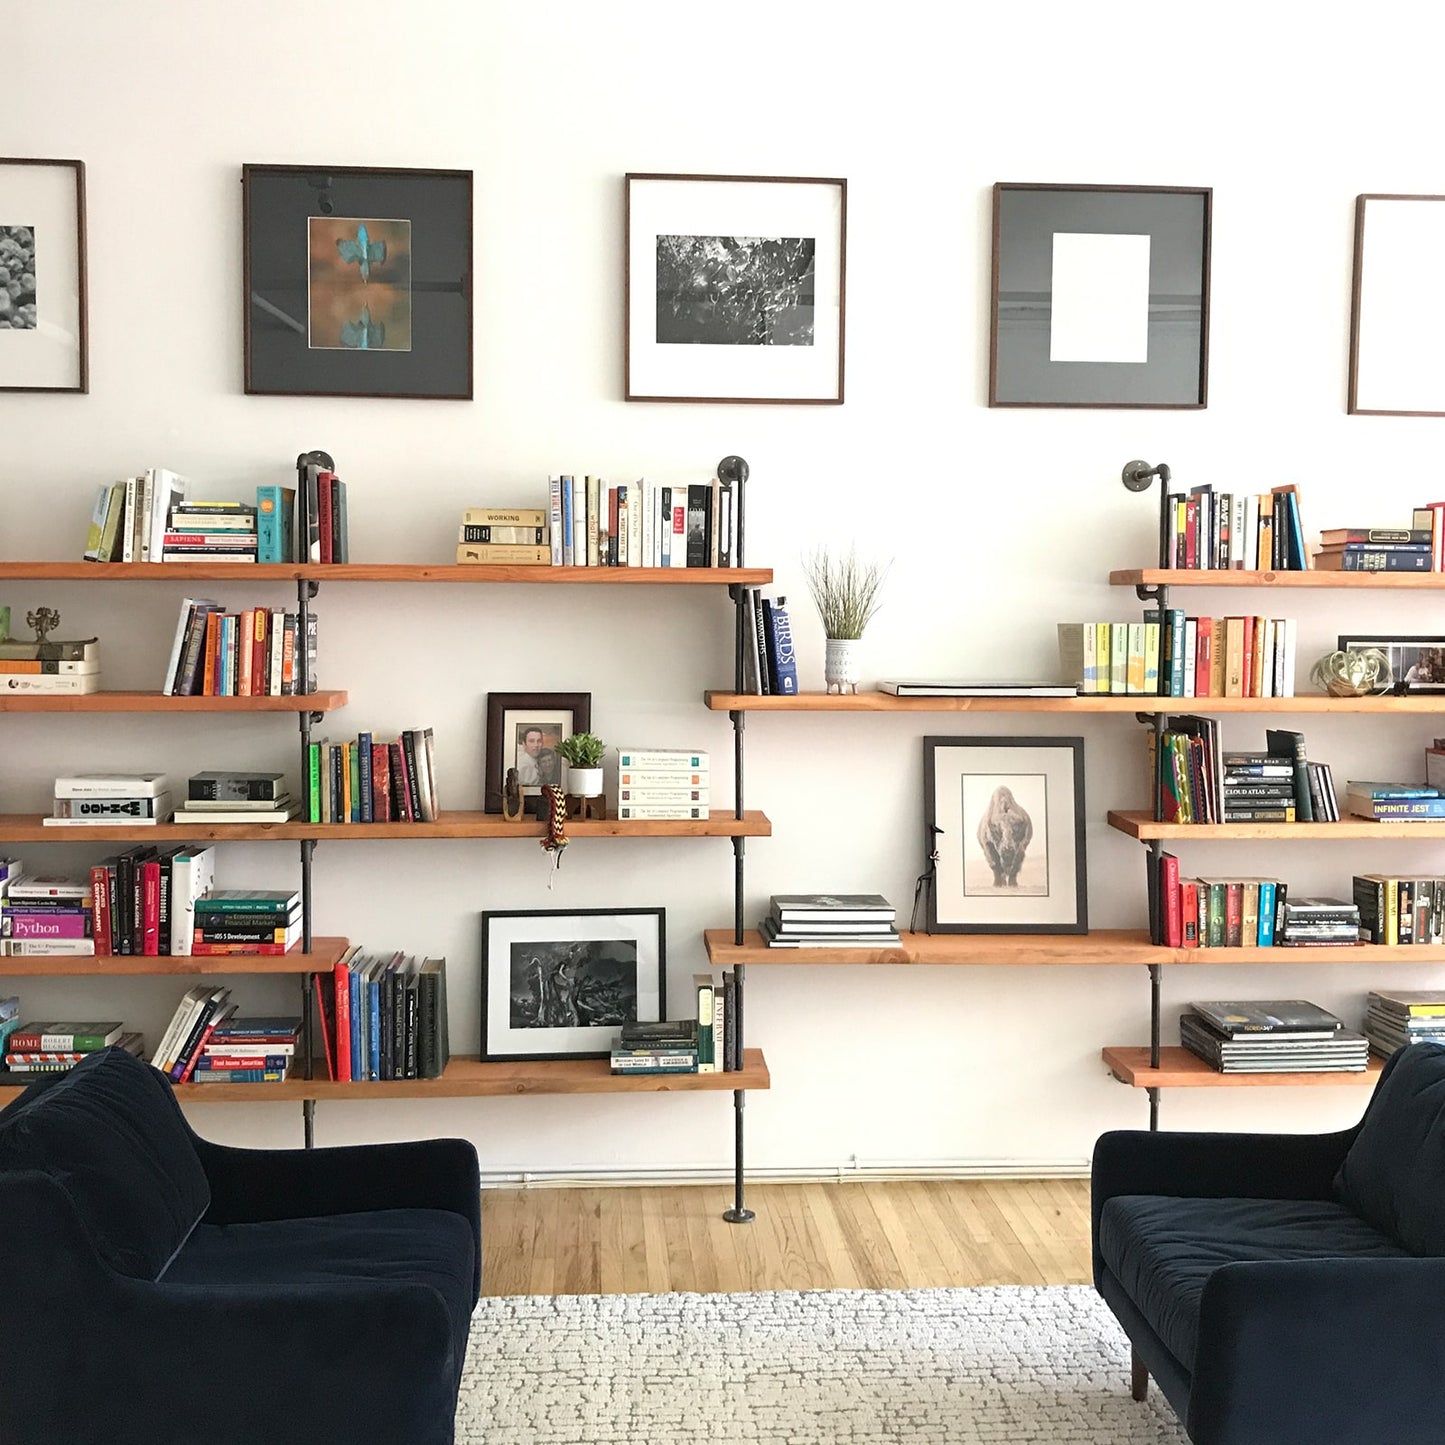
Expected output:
(582, 752)
(845, 592)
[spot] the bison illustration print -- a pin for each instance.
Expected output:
(1006, 839)
(1004, 833)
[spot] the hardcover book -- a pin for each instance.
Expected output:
(1266, 1016)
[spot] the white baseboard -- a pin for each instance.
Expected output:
(902, 1169)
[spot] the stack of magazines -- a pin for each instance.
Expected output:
(1310, 922)
(829, 920)
(1271, 1036)
(1406, 1016)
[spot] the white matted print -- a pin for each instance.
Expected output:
(42, 276)
(1006, 816)
(735, 288)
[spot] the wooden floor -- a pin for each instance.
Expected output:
(806, 1236)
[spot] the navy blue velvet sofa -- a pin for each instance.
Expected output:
(162, 1288)
(1287, 1289)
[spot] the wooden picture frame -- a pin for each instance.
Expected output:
(560, 983)
(509, 716)
(1100, 296)
(734, 288)
(1397, 307)
(357, 281)
(44, 340)
(1007, 818)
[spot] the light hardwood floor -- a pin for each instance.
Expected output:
(856, 1235)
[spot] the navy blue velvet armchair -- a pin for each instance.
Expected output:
(1287, 1289)
(164, 1288)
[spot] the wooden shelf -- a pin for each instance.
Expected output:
(1353, 581)
(28, 828)
(469, 1078)
(375, 572)
(1142, 826)
(1179, 1069)
(879, 702)
(1101, 946)
(326, 701)
(322, 958)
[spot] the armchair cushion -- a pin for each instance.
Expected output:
(110, 1136)
(1164, 1250)
(1394, 1172)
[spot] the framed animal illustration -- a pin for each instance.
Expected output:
(1007, 819)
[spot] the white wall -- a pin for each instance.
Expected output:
(1000, 523)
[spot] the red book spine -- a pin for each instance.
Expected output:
(1169, 893)
(150, 904)
(341, 985)
(1203, 655)
(380, 784)
(100, 908)
(1191, 533)
(326, 1022)
(208, 666)
(323, 513)
(399, 789)
(200, 1047)
(260, 652)
(1189, 910)
(222, 950)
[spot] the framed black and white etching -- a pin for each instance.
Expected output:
(735, 288)
(1007, 819)
(1100, 296)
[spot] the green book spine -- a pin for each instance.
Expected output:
(313, 782)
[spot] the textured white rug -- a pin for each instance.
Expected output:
(1004, 1366)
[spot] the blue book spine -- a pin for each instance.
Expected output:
(1266, 914)
(373, 1018)
(353, 984)
(1176, 652)
(568, 560)
(363, 748)
(782, 661)
(266, 1061)
(269, 538)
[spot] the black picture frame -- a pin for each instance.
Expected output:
(44, 328)
(560, 714)
(1405, 654)
(357, 281)
(1013, 880)
(560, 983)
(1100, 296)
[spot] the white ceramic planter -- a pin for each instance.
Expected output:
(841, 657)
(584, 782)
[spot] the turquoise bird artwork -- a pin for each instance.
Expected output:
(362, 252)
(363, 334)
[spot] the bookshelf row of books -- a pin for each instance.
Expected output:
(56, 1047)
(1252, 532)
(1238, 912)
(1182, 656)
(663, 783)
(366, 780)
(1274, 1036)
(1400, 909)
(248, 653)
(704, 1044)
(87, 800)
(208, 1041)
(829, 920)
(383, 1016)
(68, 669)
(1404, 1016)
(770, 666)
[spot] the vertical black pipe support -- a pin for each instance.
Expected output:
(305, 591)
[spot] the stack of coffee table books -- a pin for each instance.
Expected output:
(1271, 1036)
(829, 920)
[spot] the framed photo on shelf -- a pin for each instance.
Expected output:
(1100, 296)
(43, 343)
(734, 288)
(1397, 307)
(358, 281)
(1417, 664)
(1007, 818)
(559, 984)
(523, 730)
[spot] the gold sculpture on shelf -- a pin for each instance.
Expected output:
(1357, 672)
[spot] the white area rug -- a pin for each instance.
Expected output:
(1004, 1366)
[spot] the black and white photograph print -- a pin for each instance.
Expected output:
(1417, 664)
(1006, 816)
(559, 984)
(735, 288)
(43, 344)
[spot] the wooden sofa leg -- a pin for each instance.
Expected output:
(1139, 1376)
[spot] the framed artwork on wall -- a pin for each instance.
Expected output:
(735, 288)
(358, 281)
(1417, 664)
(1398, 307)
(43, 343)
(1100, 296)
(1007, 819)
(559, 984)
(523, 730)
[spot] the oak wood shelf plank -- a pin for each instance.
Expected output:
(1348, 581)
(882, 702)
(378, 572)
(322, 958)
(1179, 1069)
(326, 701)
(28, 828)
(1141, 825)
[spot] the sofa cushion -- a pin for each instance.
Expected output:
(1163, 1250)
(1394, 1173)
(112, 1138)
(431, 1247)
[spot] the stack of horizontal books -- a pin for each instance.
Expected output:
(1274, 1036)
(1395, 802)
(56, 1048)
(1312, 922)
(229, 797)
(504, 536)
(662, 783)
(666, 1047)
(248, 1050)
(1405, 1016)
(830, 920)
(246, 921)
(107, 799)
(52, 668)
